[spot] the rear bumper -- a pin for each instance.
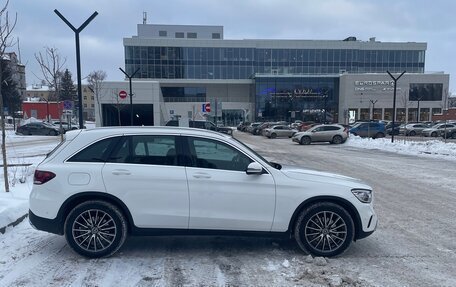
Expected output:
(49, 225)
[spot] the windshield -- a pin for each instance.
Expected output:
(271, 164)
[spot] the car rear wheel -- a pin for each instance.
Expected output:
(412, 133)
(379, 135)
(52, 133)
(305, 140)
(95, 229)
(273, 136)
(434, 134)
(324, 229)
(337, 139)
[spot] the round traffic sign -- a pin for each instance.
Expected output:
(122, 94)
(208, 107)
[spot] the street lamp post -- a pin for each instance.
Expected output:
(131, 93)
(373, 107)
(394, 102)
(418, 109)
(78, 57)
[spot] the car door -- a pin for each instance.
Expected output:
(222, 195)
(143, 171)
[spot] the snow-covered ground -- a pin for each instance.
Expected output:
(405, 251)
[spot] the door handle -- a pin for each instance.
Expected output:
(201, 175)
(121, 172)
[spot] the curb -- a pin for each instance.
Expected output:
(16, 222)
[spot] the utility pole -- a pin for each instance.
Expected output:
(394, 102)
(78, 58)
(373, 107)
(131, 93)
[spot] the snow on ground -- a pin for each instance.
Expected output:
(431, 148)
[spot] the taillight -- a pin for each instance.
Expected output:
(41, 176)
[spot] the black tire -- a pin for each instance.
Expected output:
(337, 139)
(412, 133)
(309, 234)
(110, 230)
(305, 140)
(434, 134)
(273, 136)
(379, 135)
(52, 133)
(453, 135)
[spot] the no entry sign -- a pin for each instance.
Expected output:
(122, 94)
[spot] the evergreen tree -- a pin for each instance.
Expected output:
(67, 89)
(11, 96)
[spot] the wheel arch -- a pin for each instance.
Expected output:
(78, 198)
(333, 199)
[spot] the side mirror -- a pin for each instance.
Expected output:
(254, 168)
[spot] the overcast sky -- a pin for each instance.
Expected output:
(38, 26)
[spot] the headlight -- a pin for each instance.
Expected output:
(364, 195)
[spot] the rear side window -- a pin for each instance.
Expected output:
(96, 152)
(147, 149)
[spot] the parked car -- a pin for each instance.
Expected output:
(243, 126)
(436, 130)
(207, 125)
(389, 128)
(279, 131)
(412, 129)
(38, 128)
(66, 126)
(103, 184)
(449, 133)
(369, 129)
(334, 133)
(252, 126)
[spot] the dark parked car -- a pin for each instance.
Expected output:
(38, 128)
(369, 129)
(449, 133)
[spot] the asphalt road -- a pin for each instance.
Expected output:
(413, 246)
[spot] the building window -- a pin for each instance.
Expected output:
(162, 33)
(85, 105)
(85, 97)
(191, 35)
(92, 98)
(215, 35)
(179, 34)
(92, 105)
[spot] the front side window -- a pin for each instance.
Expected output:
(146, 149)
(96, 152)
(206, 153)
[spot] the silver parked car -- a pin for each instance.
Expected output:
(334, 133)
(412, 129)
(279, 131)
(436, 130)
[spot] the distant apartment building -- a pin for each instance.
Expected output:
(18, 72)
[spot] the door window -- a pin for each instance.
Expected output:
(96, 152)
(206, 153)
(147, 149)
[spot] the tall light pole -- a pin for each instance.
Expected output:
(418, 109)
(373, 107)
(394, 102)
(131, 93)
(78, 57)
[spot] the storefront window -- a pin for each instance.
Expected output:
(388, 115)
(400, 115)
(364, 114)
(424, 114)
(412, 115)
(377, 114)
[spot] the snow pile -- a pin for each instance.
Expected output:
(432, 148)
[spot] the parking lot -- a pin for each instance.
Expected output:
(413, 245)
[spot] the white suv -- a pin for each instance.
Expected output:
(101, 184)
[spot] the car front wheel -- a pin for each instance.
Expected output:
(305, 140)
(324, 229)
(95, 229)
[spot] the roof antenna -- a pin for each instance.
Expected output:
(144, 18)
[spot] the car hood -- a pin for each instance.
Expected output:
(319, 176)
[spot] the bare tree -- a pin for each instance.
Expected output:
(51, 65)
(96, 80)
(117, 103)
(6, 41)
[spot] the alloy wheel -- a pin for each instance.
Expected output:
(326, 231)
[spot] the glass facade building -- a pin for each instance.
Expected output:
(167, 62)
(310, 80)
